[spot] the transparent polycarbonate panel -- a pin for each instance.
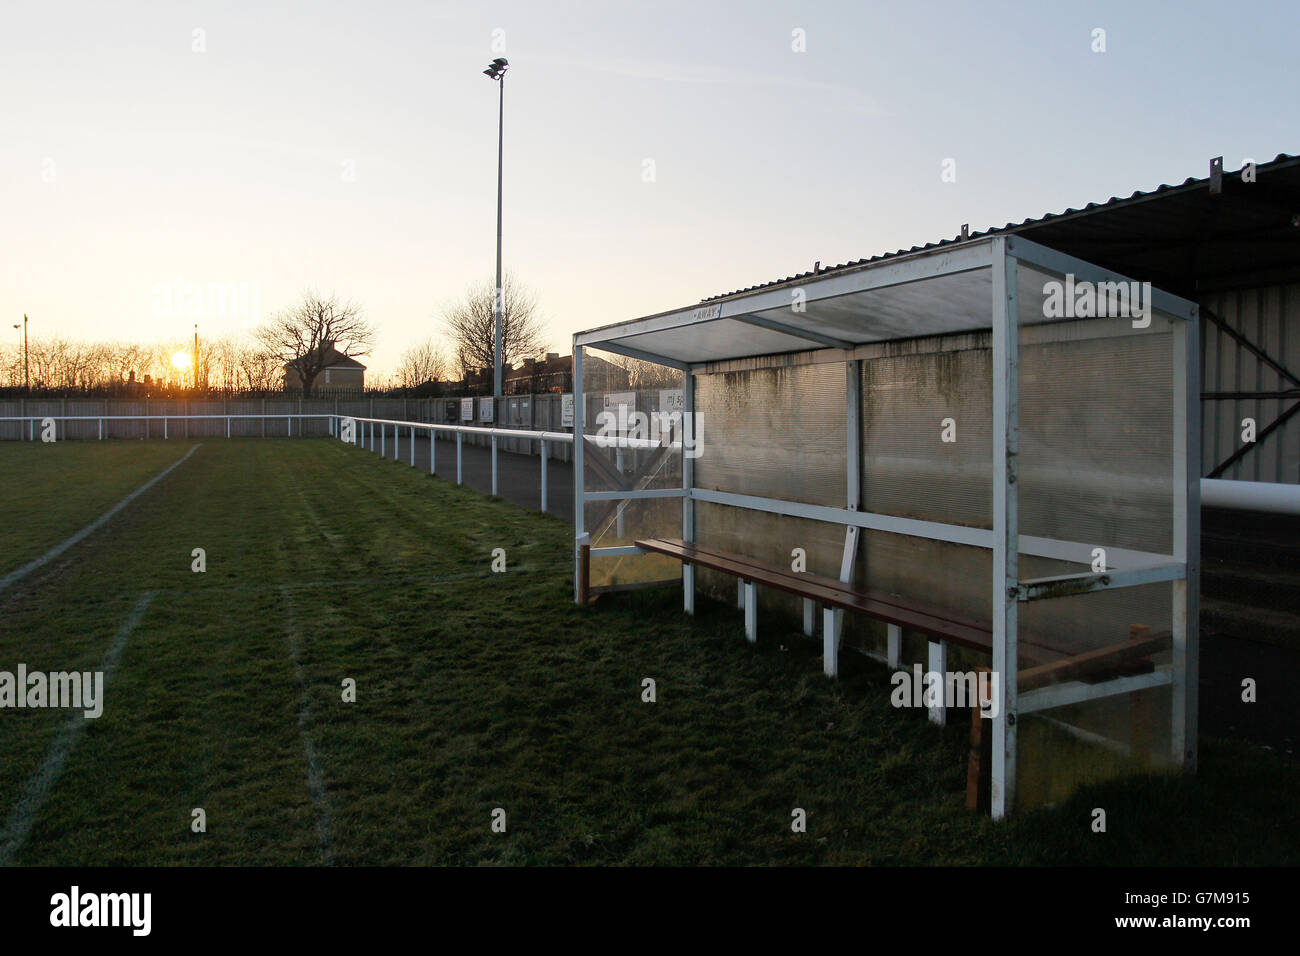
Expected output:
(927, 426)
(1110, 718)
(774, 433)
(960, 302)
(620, 523)
(768, 537)
(1096, 434)
(1087, 622)
(952, 577)
(630, 400)
(949, 578)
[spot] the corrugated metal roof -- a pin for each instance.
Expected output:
(1169, 227)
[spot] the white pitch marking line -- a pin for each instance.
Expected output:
(38, 787)
(315, 779)
(58, 549)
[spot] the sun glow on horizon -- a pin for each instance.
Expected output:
(181, 361)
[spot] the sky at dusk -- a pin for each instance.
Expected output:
(655, 153)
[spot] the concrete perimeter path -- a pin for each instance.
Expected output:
(519, 477)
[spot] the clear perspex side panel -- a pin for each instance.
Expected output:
(632, 442)
(1096, 490)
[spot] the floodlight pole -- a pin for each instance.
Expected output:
(498, 296)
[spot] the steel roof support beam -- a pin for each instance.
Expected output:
(786, 329)
(1034, 254)
(644, 356)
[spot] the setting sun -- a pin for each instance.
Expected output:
(181, 360)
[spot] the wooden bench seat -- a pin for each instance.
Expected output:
(1043, 660)
(830, 592)
(891, 608)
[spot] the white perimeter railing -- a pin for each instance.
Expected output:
(363, 434)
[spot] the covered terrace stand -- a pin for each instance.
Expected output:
(970, 457)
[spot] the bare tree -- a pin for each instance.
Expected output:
(643, 374)
(123, 358)
(259, 371)
(471, 325)
(425, 362)
(11, 361)
(301, 338)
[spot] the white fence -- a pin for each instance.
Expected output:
(368, 433)
(248, 418)
(363, 434)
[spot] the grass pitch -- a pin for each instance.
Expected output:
(475, 691)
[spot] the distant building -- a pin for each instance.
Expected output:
(537, 376)
(340, 371)
(540, 376)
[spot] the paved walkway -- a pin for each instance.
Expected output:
(519, 477)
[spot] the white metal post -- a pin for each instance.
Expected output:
(1187, 540)
(751, 611)
(1006, 525)
(893, 646)
(383, 438)
(833, 618)
(227, 426)
(460, 444)
(164, 426)
(619, 506)
(101, 429)
(433, 452)
(543, 476)
(578, 500)
(494, 463)
(412, 446)
(938, 668)
(688, 482)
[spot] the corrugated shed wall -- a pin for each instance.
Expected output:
(1269, 316)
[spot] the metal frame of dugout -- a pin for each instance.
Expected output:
(988, 296)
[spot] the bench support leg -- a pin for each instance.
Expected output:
(688, 588)
(750, 591)
(981, 755)
(831, 641)
(894, 649)
(584, 570)
(809, 617)
(1141, 713)
(740, 593)
(937, 672)
(833, 621)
